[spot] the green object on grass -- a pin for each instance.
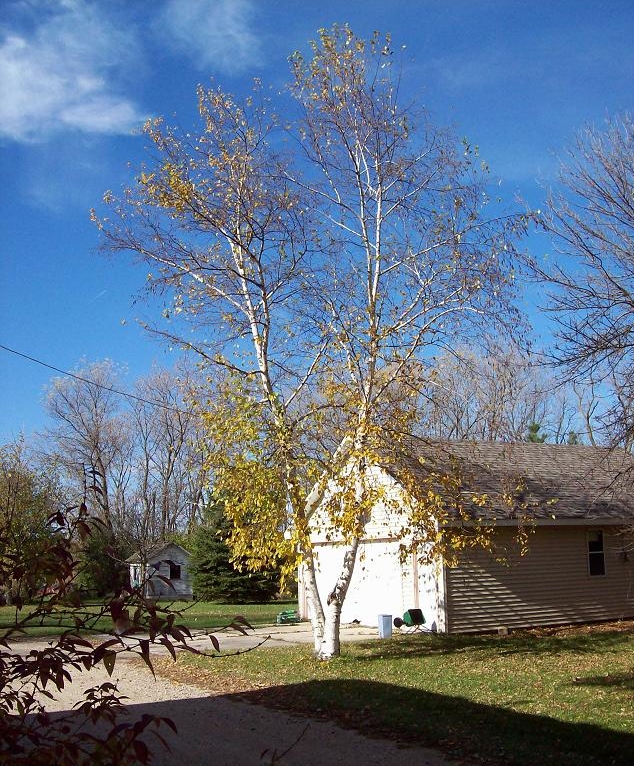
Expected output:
(413, 617)
(289, 617)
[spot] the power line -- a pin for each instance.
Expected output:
(94, 383)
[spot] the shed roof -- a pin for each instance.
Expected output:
(555, 481)
(153, 552)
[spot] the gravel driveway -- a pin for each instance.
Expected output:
(224, 731)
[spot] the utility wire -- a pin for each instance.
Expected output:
(94, 383)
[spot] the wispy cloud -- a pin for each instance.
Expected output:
(57, 73)
(215, 34)
(472, 70)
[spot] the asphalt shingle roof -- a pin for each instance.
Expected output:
(142, 557)
(556, 481)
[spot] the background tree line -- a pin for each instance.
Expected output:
(139, 454)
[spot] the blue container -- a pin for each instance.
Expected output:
(385, 626)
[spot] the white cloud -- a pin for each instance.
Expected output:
(473, 68)
(215, 34)
(58, 75)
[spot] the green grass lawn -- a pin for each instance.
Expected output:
(535, 697)
(54, 623)
(205, 614)
(195, 615)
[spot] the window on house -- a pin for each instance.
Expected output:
(596, 555)
(175, 571)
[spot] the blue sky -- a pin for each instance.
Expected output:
(78, 78)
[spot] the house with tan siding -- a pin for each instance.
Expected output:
(577, 504)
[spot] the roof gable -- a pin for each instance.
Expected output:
(154, 552)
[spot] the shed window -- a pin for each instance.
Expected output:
(175, 571)
(596, 555)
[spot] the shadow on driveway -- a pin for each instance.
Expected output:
(400, 726)
(459, 727)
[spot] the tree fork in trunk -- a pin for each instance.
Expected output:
(330, 641)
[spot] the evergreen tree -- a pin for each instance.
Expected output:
(534, 434)
(215, 577)
(101, 557)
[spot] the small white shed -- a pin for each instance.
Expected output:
(162, 560)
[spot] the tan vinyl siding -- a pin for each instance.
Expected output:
(550, 585)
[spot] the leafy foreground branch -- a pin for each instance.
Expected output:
(46, 575)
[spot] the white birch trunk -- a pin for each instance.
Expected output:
(315, 608)
(331, 642)
(327, 624)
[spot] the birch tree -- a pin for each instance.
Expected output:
(315, 259)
